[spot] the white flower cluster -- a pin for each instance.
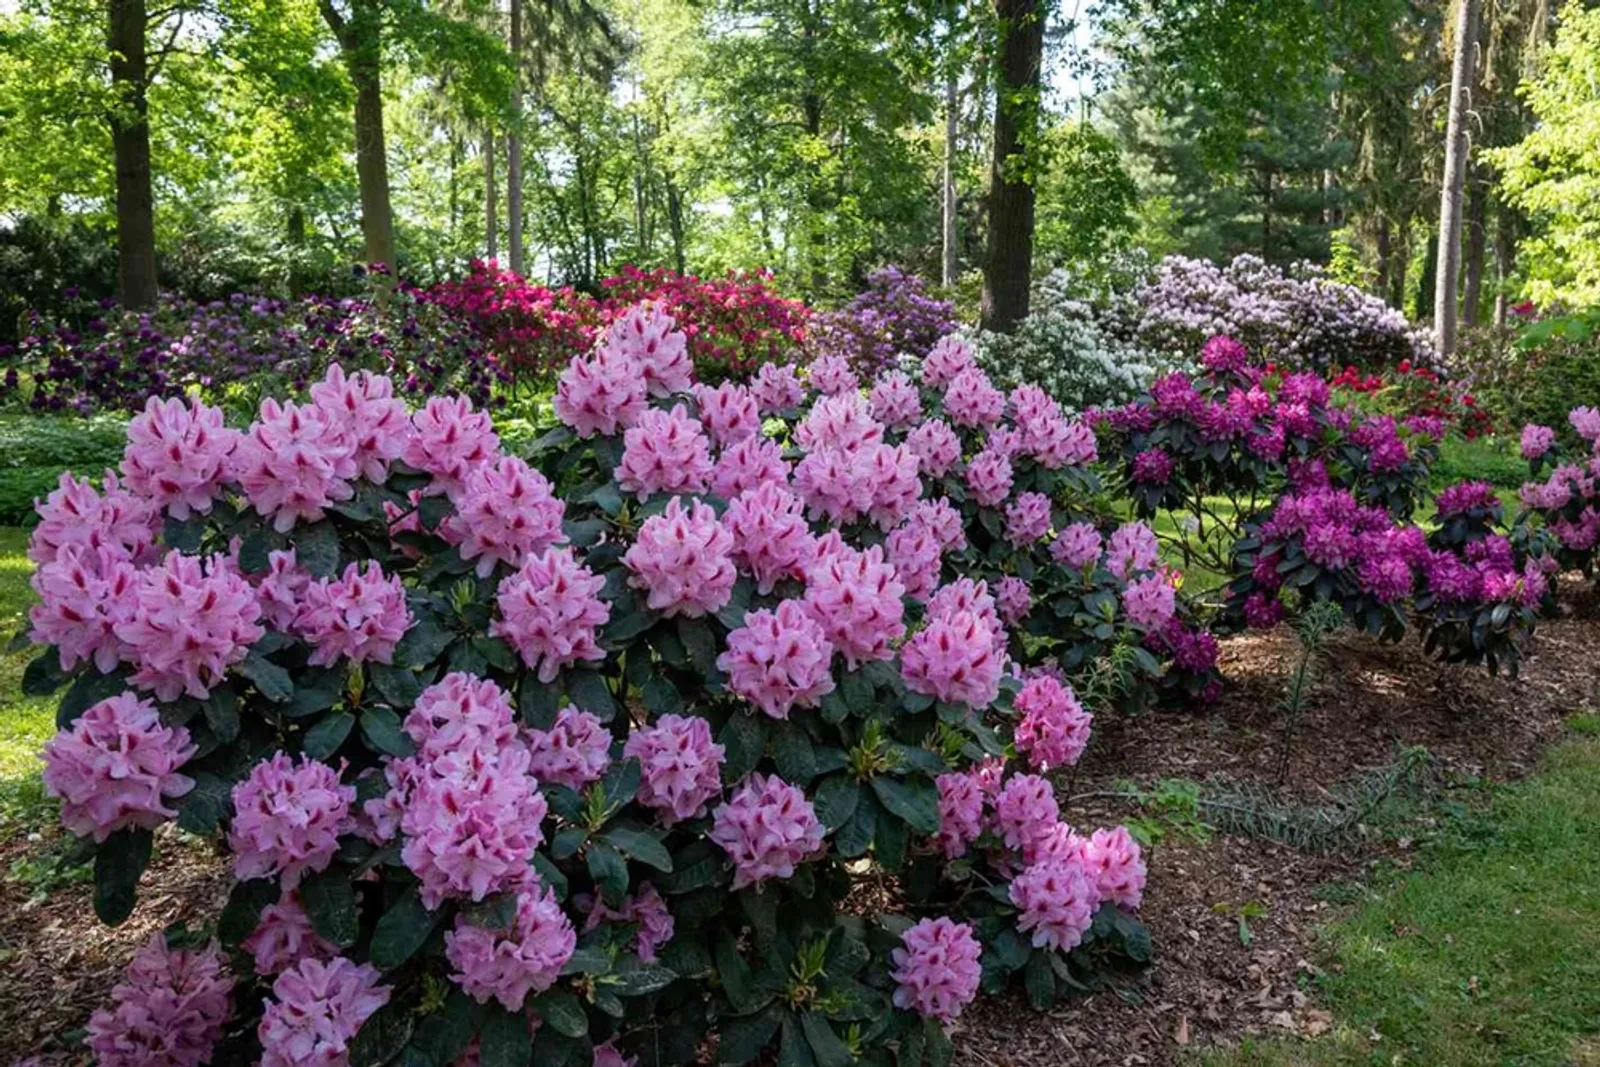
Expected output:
(1073, 348)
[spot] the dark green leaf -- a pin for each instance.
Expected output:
(401, 931)
(609, 871)
(43, 674)
(315, 693)
(857, 690)
(830, 1051)
(854, 837)
(561, 1010)
(398, 685)
(422, 644)
(737, 980)
(316, 548)
(940, 1049)
(583, 532)
(503, 1040)
(914, 799)
(202, 808)
(743, 738)
(382, 1036)
(539, 702)
(444, 1035)
(641, 845)
(889, 843)
(1039, 980)
(242, 913)
(330, 905)
(744, 1039)
(792, 752)
(222, 714)
(496, 653)
(587, 960)
(646, 978)
(620, 783)
(183, 534)
(550, 875)
(793, 1048)
(119, 863)
(380, 728)
(836, 800)
(255, 550)
(271, 680)
(700, 643)
(324, 739)
(589, 692)
(660, 696)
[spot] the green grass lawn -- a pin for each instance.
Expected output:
(25, 724)
(1487, 953)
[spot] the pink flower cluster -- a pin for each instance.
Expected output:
(748, 465)
(317, 1007)
(955, 659)
(779, 659)
(550, 612)
(361, 616)
(1054, 729)
(1056, 902)
(767, 828)
(937, 969)
(287, 819)
(169, 1010)
(505, 511)
(680, 767)
(961, 801)
(647, 910)
(449, 440)
(664, 452)
(186, 624)
(284, 937)
(178, 455)
(507, 965)
(294, 463)
(730, 412)
(113, 524)
(114, 765)
(575, 751)
(681, 560)
(771, 539)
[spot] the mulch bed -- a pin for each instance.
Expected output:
(1207, 986)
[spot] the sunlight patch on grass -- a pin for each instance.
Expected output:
(25, 723)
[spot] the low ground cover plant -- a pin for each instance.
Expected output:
(581, 756)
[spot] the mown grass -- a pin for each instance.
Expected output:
(1487, 953)
(25, 723)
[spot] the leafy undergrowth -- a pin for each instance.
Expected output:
(25, 723)
(1488, 952)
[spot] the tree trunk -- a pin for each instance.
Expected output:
(1385, 251)
(360, 40)
(514, 147)
(130, 143)
(491, 206)
(1402, 264)
(1448, 273)
(1477, 241)
(1009, 257)
(952, 117)
(1505, 260)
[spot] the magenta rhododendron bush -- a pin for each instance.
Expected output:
(575, 757)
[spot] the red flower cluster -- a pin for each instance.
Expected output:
(1419, 395)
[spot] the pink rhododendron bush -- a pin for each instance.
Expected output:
(575, 757)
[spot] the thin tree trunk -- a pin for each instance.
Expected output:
(675, 223)
(130, 144)
(1505, 260)
(514, 146)
(1011, 195)
(1385, 251)
(1448, 274)
(947, 274)
(361, 44)
(1477, 241)
(491, 206)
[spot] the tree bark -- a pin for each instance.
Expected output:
(1448, 274)
(360, 38)
(514, 147)
(1477, 242)
(491, 206)
(130, 145)
(1009, 259)
(1385, 251)
(1505, 260)
(947, 273)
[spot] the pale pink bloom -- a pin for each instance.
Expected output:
(1076, 546)
(747, 465)
(116, 521)
(1149, 602)
(281, 591)
(644, 908)
(1586, 421)
(284, 937)
(1536, 440)
(649, 337)
(917, 556)
(857, 598)
(1027, 519)
(1113, 863)
(777, 388)
(364, 405)
(960, 813)
(461, 713)
(936, 446)
(169, 1009)
(1057, 903)
(949, 356)
(1057, 443)
(287, 819)
(177, 455)
(971, 400)
(1054, 729)
(1032, 407)
(83, 594)
(837, 485)
(680, 767)
(575, 751)
(937, 969)
(316, 1010)
(1025, 810)
(895, 400)
(770, 537)
(507, 965)
(449, 439)
(841, 422)
(114, 765)
(1013, 598)
(664, 452)
(1059, 844)
(943, 521)
(1006, 440)
(953, 659)
(778, 660)
(293, 463)
(602, 394)
(729, 411)
(361, 616)
(550, 612)
(831, 375)
(505, 511)
(767, 828)
(989, 478)
(1133, 547)
(896, 487)
(681, 560)
(187, 624)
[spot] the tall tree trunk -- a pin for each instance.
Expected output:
(130, 145)
(947, 273)
(514, 146)
(1385, 252)
(1477, 242)
(675, 222)
(491, 205)
(1448, 273)
(1009, 259)
(1505, 260)
(360, 40)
